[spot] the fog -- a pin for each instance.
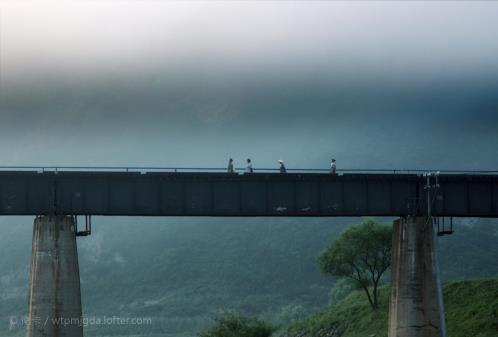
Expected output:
(374, 84)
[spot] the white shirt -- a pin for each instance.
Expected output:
(249, 168)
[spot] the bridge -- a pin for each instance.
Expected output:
(151, 193)
(57, 196)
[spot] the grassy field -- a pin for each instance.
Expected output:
(471, 311)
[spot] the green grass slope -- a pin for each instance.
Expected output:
(471, 311)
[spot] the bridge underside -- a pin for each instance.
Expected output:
(260, 194)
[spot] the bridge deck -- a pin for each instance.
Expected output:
(258, 194)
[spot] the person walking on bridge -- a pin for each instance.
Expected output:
(333, 167)
(282, 166)
(230, 166)
(249, 166)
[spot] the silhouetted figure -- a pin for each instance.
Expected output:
(333, 167)
(230, 166)
(249, 166)
(282, 166)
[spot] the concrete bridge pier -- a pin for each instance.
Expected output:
(54, 289)
(416, 305)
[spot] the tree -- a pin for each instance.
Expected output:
(236, 325)
(361, 253)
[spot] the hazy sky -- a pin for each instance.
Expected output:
(375, 84)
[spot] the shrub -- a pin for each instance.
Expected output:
(236, 325)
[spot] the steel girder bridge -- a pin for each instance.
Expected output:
(182, 193)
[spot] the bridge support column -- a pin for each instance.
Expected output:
(54, 289)
(416, 306)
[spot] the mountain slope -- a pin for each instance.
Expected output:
(183, 271)
(471, 310)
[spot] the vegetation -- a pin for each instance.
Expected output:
(471, 310)
(183, 272)
(342, 288)
(361, 253)
(236, 325)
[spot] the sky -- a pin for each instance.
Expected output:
(375, 84)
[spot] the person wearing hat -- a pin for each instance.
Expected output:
(282, 166)
(230, 166)
(333, 167)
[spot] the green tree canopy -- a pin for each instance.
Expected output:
(361, 253)
(236, 325)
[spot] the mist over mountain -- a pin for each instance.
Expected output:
(375, 85)
(363, 125)
(182, 272)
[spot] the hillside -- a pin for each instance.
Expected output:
(182, 272)
(471, 311)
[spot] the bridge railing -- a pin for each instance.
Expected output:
(240, 170)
